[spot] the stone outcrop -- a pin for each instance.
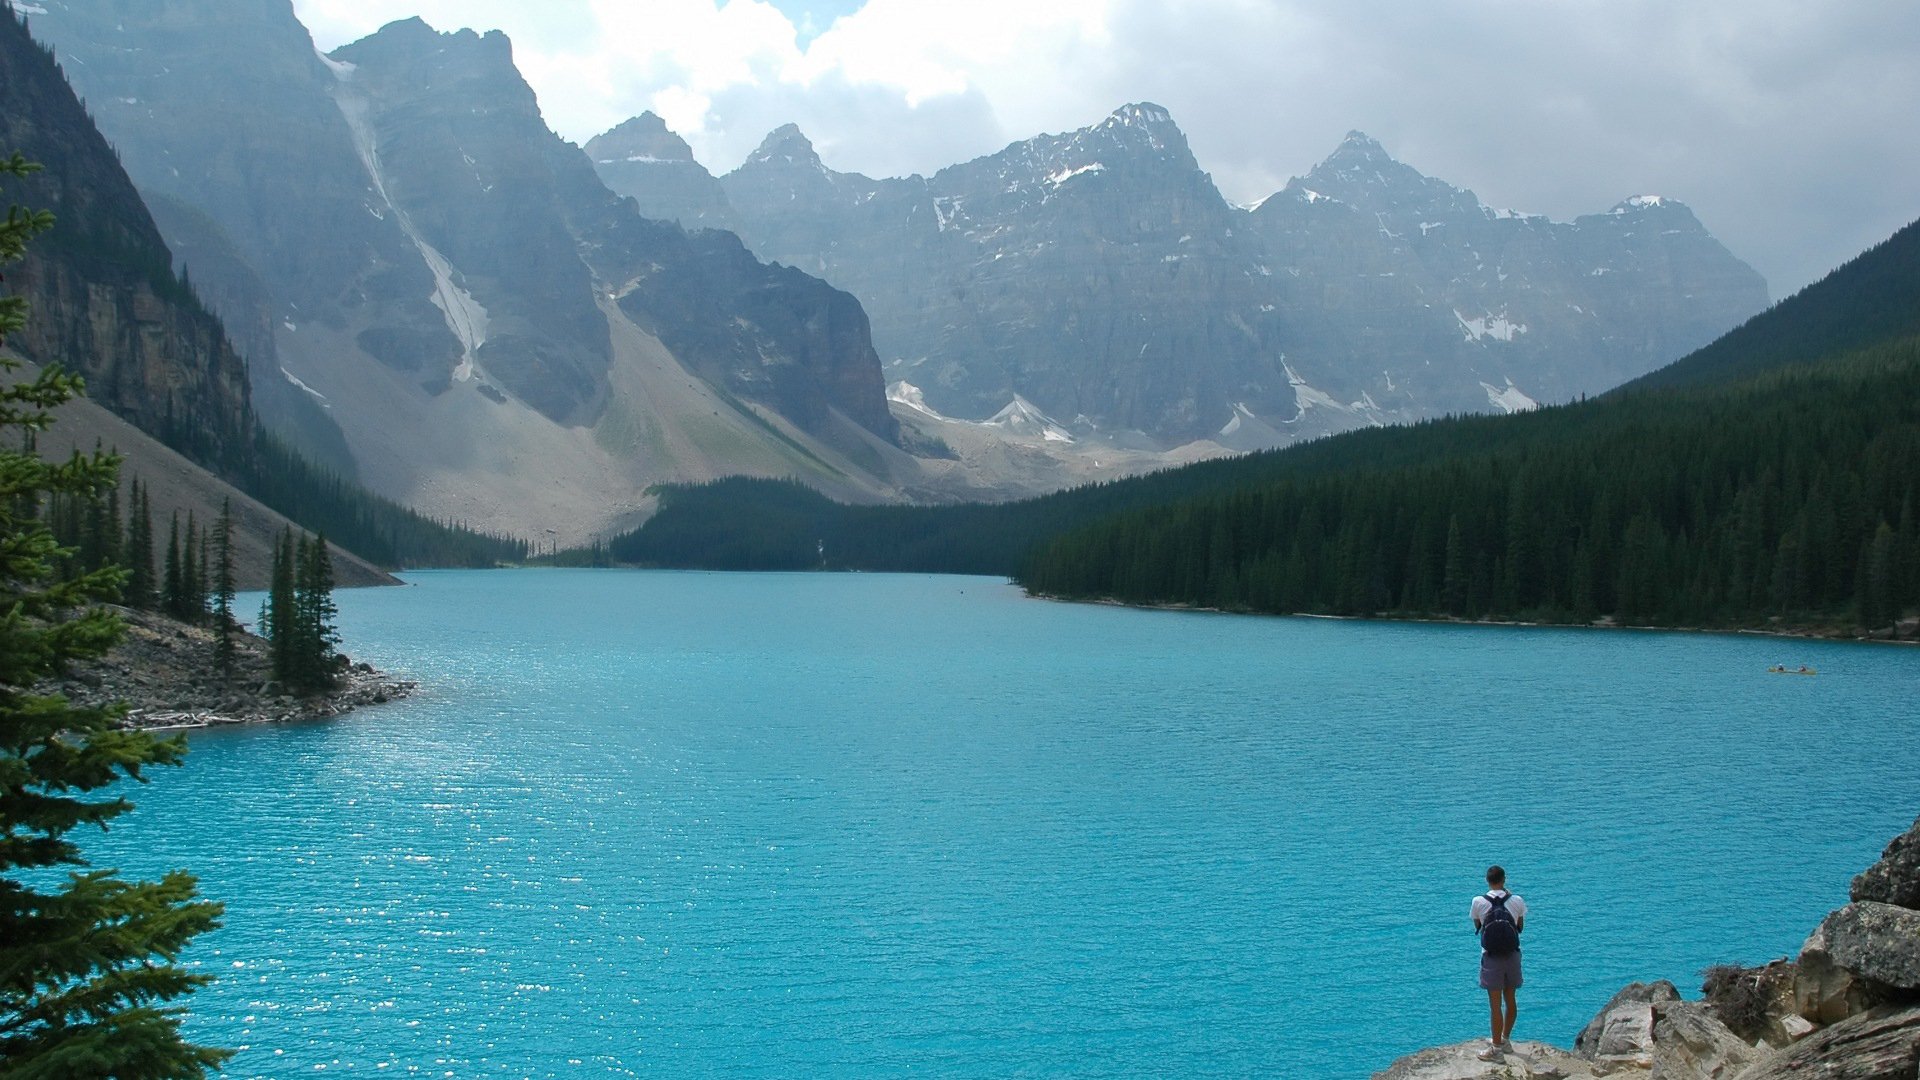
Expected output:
(1622, 1031)
(1690, 1042)
(1880, 1044)
(1526, 1061)
(1876, 942)
(1895, 879)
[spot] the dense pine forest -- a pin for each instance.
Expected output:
(1772, 476)
(1791, 495)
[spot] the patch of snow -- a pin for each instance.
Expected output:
(129, 101)
(909, 395)
(1065, 175)
(1639, 202)
(1508, 398)
(295, 381)
(1599, 270)
(1511, 215)
(341, 69)
(945, 209)
(1498, 327)
(1306, 397)
(1240, 412)
(465, 316)
(288, 323)
(25, 8)
(1428, 226)
(1022, 416)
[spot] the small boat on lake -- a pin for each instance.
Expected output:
(1782, 669)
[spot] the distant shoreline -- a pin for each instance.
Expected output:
(1908, 630)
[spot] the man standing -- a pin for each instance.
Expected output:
(1498, 917)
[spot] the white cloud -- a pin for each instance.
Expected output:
(1784, 124)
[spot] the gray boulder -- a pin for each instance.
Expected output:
(1895, 879)
(1876, 942)
(1460, 1061)
(1880, 1044)
(1622, 1031)
(1690, 1043)
(1823, 991)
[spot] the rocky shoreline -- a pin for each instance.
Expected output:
(1847, 1008)
(168, 675)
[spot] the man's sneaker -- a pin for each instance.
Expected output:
(1491, 1053)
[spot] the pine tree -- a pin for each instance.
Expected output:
(193, 575)
(170, 590)
(87, 958)
(314, 611)
(139, 592)
(223, 590)
(277, 619)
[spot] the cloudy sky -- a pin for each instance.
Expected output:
(1791, 127)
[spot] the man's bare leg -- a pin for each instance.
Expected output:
(1498, 1021)
(1506, 1033)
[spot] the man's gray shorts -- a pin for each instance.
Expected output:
(1500, 972)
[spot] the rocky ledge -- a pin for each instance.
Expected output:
(1847, 1008)
(168, 674)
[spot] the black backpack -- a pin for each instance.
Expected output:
(1499, 934)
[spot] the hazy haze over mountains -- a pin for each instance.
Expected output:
(1781, 122)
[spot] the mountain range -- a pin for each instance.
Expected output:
(437, 296)
(1099, 277)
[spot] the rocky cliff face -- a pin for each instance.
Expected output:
(1398, 265)
(1099, 277)
(457, 147)
(1083, 272)
(221, 116)
(1848, 1006)
(104, 299)
(501, 338)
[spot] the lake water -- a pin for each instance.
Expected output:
(702, 825)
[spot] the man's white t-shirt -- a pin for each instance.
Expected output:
(1516, 907)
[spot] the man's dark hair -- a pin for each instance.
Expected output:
(1496, 876)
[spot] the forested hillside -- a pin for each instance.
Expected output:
(1790, 495)
(1872, 298)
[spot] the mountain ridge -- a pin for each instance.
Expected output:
(1066, 265)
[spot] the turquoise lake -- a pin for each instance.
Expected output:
(705, 825)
